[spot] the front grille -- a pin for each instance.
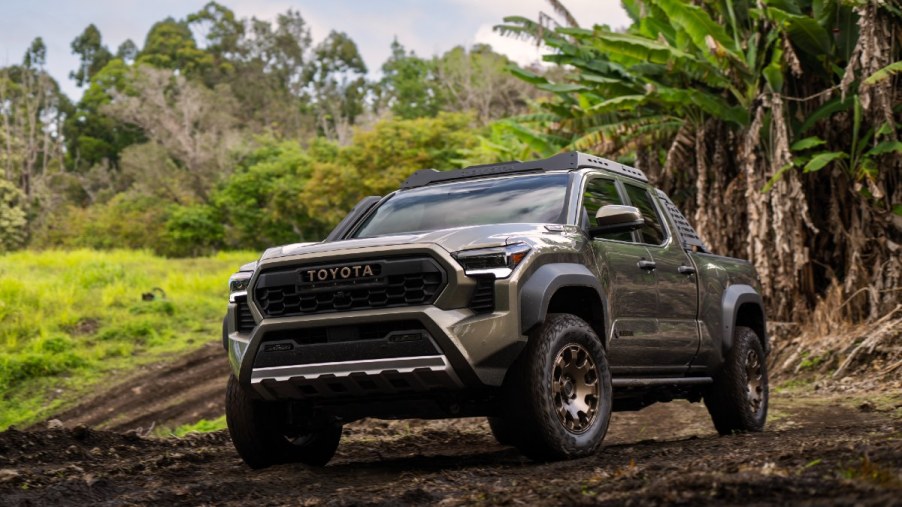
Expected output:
(245, 322)
(483, 298)
(362, 342)
(382, 283)
(365, 332)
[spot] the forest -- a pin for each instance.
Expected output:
(772, 124)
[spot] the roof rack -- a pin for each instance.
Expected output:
(569, 161)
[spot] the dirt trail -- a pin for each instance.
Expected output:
(817, 450)
(165, 394)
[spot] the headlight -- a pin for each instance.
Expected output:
(238, 284)
(500, 261)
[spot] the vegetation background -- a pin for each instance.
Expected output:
(773, 124)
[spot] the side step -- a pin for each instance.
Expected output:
(651, 382)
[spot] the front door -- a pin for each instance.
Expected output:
(633, 293)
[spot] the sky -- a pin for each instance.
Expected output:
(427, 27)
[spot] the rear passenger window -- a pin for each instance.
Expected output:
(652, 232)
(601, 192)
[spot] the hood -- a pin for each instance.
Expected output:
(452, 240)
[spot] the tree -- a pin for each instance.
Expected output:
(191, 123)
(171, 45)
(12, 217)
(336, 84)
(477, 80)
(94, 138)
(409, 85)
(32, 109)
(737, 111)
(93, 54)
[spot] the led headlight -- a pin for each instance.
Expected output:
(500, 261)
(238, 284)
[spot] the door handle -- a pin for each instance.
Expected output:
(646, 265)
(686, 270)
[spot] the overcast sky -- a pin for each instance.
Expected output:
(425, 26)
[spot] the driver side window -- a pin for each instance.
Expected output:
(601, 192)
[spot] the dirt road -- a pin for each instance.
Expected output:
(817, 450)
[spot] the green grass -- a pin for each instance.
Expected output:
(202, 426)
(70, 319)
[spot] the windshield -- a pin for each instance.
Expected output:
(521, 199)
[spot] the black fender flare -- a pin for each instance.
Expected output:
(733, 298)
(536, 292)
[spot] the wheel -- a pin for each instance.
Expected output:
(260, 438)
(559, 391)
(737, 401)
(502, 430)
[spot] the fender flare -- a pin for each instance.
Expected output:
(536, 292)
(733, 298)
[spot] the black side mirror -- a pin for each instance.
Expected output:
(615, 218)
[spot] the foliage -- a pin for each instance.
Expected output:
(261, 202)
(378, 160)
(52, 335)
(193, 230)
(12, 217)
(474, 80)
(409, 85)
(202, 426)
(718, 101)
(93, 54)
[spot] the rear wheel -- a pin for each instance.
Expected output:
(261, 438)
(737, 401)
(559, 391)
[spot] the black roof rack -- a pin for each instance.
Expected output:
(569, 161)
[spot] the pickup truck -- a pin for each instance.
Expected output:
(542, 295)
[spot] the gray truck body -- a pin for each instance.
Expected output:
(376, 326)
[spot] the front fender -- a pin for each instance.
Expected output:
(536, 293)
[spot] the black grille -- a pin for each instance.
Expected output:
(375, 331)
(245, 318)
(382, 283)
(483, 298)
(344, 343)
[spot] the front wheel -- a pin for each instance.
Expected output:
(262, 440)
(559, 391)
(737, 401)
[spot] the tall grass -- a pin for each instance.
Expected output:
(70, 319)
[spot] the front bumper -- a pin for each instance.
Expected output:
(471, 350)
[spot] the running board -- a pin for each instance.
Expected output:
(650, 382)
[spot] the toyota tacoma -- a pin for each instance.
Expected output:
(542, 295)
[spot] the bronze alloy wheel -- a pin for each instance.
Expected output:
(575, 388)
(754, 383)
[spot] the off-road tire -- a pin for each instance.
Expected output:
(502, 430)
(539, 431)
(254, 426)
(730, 399)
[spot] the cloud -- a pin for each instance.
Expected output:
(521, 51)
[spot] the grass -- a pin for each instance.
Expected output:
(202, 426)
(70, 319)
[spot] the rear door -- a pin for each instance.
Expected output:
(676, 337)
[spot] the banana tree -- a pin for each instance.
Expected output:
(772, 121)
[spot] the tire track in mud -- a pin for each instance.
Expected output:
(818, 449)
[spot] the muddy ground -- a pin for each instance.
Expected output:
(818, 449)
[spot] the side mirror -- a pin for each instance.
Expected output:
(615, 218)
